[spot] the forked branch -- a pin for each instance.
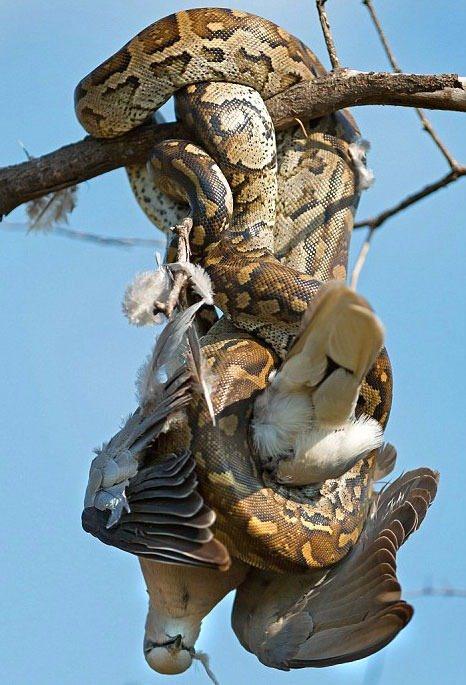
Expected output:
(457, 170)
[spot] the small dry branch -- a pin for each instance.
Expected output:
(430, 591)
(376, 221)
(427, 125)
(327, 31)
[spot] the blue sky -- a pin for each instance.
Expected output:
(73, 610)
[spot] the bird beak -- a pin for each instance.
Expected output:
(173, 645)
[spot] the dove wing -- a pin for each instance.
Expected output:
(168, 520)
(346, 613)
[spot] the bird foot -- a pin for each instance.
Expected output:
(108, 478)
(113, 499)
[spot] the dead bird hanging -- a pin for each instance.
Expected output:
(270, 489)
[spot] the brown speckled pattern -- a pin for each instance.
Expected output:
(289, 232)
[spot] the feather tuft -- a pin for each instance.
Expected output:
(46, 211)
(148, 385)
(140, 295)
(278, 418)
(200, 279)
(204, 658)
(170, 344)
(385, 462)
(364, 176)
(323, 452)
(203, 378)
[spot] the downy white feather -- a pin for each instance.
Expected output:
(365, 177)
(140, 295)
(199, 279)
(325, 452)
(46, 211)
(278, 418)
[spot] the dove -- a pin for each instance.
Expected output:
(347, 612)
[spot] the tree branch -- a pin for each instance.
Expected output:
(86, 236)
(427, 125)
(88, 158)
(77, 162)
(429, 591)
(376, 221)
(361, 259)
(457, 170)
(327, 31)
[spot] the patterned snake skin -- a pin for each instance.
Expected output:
(289, 232)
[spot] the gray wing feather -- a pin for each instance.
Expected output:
(168, 519)
(385, 462)
(153, 511)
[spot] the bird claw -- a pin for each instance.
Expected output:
(108, 478)
(113, 499)
(116, 512)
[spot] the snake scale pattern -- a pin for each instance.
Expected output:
(272, 220)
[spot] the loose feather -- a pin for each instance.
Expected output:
(358, 152)
(46, 211)
(170, 345)
(199, 370)
(199, 279)
(140, 296)
(385, 463)
(204, 658)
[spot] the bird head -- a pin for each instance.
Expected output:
(169, 639)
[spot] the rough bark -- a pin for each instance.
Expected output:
(90, 157)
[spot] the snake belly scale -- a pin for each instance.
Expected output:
(269, 229)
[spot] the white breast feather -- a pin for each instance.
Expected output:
(323, 452)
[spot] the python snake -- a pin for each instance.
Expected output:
(269, 231)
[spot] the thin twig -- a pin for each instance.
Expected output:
(374, 669)
(327, 31)
(396, 67)
(376, 221)
(429, 591)
(382, 36)
(457, 170)
(360, 261)
(72, 233)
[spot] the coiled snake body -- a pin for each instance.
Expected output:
(289, 232)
